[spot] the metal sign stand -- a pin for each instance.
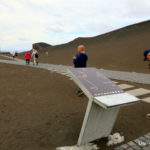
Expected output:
(105, 100)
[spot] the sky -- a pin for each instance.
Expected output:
(24, 22)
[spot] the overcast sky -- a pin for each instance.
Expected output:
(23, 22)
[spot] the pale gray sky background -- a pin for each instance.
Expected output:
(23, 22)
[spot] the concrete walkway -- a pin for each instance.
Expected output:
(128, 76)
(141, 143)
(118, 75)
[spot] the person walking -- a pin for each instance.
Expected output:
(148, 116)
(27, 57)
(16, 54)
(147, 58)
(35, 56)
(46, 53)
(13, 55)
(80, 61)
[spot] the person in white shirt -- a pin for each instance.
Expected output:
(35, 56)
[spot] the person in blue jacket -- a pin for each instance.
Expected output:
(80, 61)
(147, 56)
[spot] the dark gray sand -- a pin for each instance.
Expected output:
(41, 111)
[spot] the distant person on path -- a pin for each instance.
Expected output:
(27, 57)
(46, 53)
(35, 56)
(80, 61)
(147, 56)
(13, 55)
(16, 54)
(148, 116)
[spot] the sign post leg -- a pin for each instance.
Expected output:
(98, 122)
(86, 117)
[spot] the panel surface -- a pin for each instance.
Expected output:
(95, 82)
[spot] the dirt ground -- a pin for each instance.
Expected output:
(1, 57)
(37, 109)
(40, 110)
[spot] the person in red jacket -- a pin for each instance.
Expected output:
(27, 57)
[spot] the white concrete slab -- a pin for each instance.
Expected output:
(88, 146)
(115, 100)
(63, 73)
(147, 100)
(138, 92)
(125, 86)
(115, 82)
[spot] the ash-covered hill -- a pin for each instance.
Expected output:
(42, 45)
(121, 49)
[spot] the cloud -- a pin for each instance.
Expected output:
(24, 22)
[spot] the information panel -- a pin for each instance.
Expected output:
(95, 82)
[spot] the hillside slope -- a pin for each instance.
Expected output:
(118, 50)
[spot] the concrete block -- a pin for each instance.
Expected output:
(133, 145)
(146, 148)
(147, 100)
(130, 148)
(119, 148)
(115, 82)
(138, 92)
(125, 86)
(142, 138)
(138, 142)
(142, 141)
(125, 146)
(147, 136)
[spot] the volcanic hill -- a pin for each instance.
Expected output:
(121, 49)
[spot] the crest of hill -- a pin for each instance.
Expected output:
(125, 32)
(41, 45)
